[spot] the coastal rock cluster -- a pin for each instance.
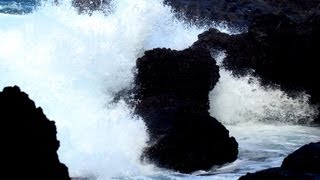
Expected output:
(234, 12)
(29, 144)
(241, 12)
(278, 50)
(172, 90)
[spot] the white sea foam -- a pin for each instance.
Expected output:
(71, 65)
(243, 100)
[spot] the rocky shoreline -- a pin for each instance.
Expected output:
(281, 52)
(241, 12)
(233, 12)
(171, 91)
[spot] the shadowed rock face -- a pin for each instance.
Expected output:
(188, 75)
(277, 49)
(303, 164)
(278, 174)
(172, 97)
(29, 144)
(187, 141)
(238, 12)
(305, 159)
(241, 12)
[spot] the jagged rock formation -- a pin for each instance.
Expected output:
(275, 48)
(305, 159)
(172, 97)
(241, 12)
(29, 143)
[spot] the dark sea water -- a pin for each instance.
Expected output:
(18, 6)
(72, 64)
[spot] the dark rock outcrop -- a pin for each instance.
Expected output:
(303, 164)
(172, 97)
(278, 50)
(187, 141)
(305, 159)
(29, 144)
(189, 75)
(278, 174)
(236, 12)
(281, 51)
(241, 12)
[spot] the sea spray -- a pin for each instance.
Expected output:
(239, 100)
(267, 123)
(71, 65)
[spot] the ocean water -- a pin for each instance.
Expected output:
(73, 64)
(18, 6)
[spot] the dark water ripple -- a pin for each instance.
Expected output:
(18, 6)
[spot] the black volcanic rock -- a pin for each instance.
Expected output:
(188, 75)
(278, 174)
(214, 39)
(241, 12)
(302, 164)
(306, 159)
(172, 97)
(187, 141)
(29, 144)
(278, 50)
(236, 12)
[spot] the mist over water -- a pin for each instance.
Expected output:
(72, 65)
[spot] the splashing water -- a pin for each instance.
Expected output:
(71, 65)
(242, 100)
(263, 120)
